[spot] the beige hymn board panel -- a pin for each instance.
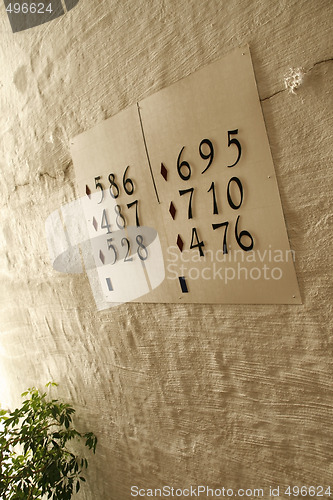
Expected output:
(180, 197)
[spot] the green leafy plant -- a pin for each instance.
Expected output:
(35, 462)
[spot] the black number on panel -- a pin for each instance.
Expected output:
(184, 191)
(112, 247)
(209, 156)
(128, 183)
(239, 184)
(99, 186)
(124, 241)
(212, 188)
(105, 223)
(181, 165)
(239, 237)
(113, 185)
(198, 244)
(129, 205)
(223, 224)
(119, 217)
(143, 255)
(237, 143)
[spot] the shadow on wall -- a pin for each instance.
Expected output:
(24, 15)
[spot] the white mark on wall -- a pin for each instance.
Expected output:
(293, 79)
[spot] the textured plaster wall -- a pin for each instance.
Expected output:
(239, 396)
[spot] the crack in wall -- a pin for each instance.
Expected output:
(320, 62)
(306, 72)
(272, 95)
(40, 176)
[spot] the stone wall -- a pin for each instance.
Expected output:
(181, 395)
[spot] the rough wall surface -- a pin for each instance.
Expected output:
(239, 396)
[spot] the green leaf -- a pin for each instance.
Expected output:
(41, 428)
(54, 384)
(54, 411)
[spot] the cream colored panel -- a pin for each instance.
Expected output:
(202, 181)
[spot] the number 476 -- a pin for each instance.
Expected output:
(195, 243)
